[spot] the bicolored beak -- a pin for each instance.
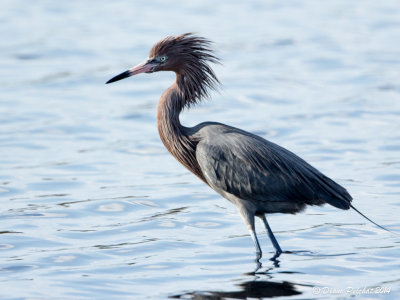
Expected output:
(146, 67)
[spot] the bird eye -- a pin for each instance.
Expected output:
(163, 58)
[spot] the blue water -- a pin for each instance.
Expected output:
(94, 207)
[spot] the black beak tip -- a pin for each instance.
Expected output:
(119, 77)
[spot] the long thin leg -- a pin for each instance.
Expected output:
(248, 218)
(258, 250)
(256, 243)
(271, 236)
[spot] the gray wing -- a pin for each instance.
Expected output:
(252, 168)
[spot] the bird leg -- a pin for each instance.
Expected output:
(271, 236)
(248, 219)
(256, 243)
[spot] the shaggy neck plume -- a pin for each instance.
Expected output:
(173, 135)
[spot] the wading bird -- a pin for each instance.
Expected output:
(256, 175)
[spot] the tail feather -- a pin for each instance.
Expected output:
(376, 224)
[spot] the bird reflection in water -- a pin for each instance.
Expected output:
(248, 289)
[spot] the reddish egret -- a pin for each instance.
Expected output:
(256, 175)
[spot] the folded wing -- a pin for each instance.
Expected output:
(252, 168)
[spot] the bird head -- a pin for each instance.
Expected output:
(186, 54)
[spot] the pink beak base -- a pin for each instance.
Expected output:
(145, 67)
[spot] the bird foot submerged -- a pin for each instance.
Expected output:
(275, 256)
(274, 260)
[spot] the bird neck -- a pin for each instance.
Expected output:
(173, 135)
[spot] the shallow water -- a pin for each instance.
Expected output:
(93, 206)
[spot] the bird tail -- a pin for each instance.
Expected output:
(376, 224)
